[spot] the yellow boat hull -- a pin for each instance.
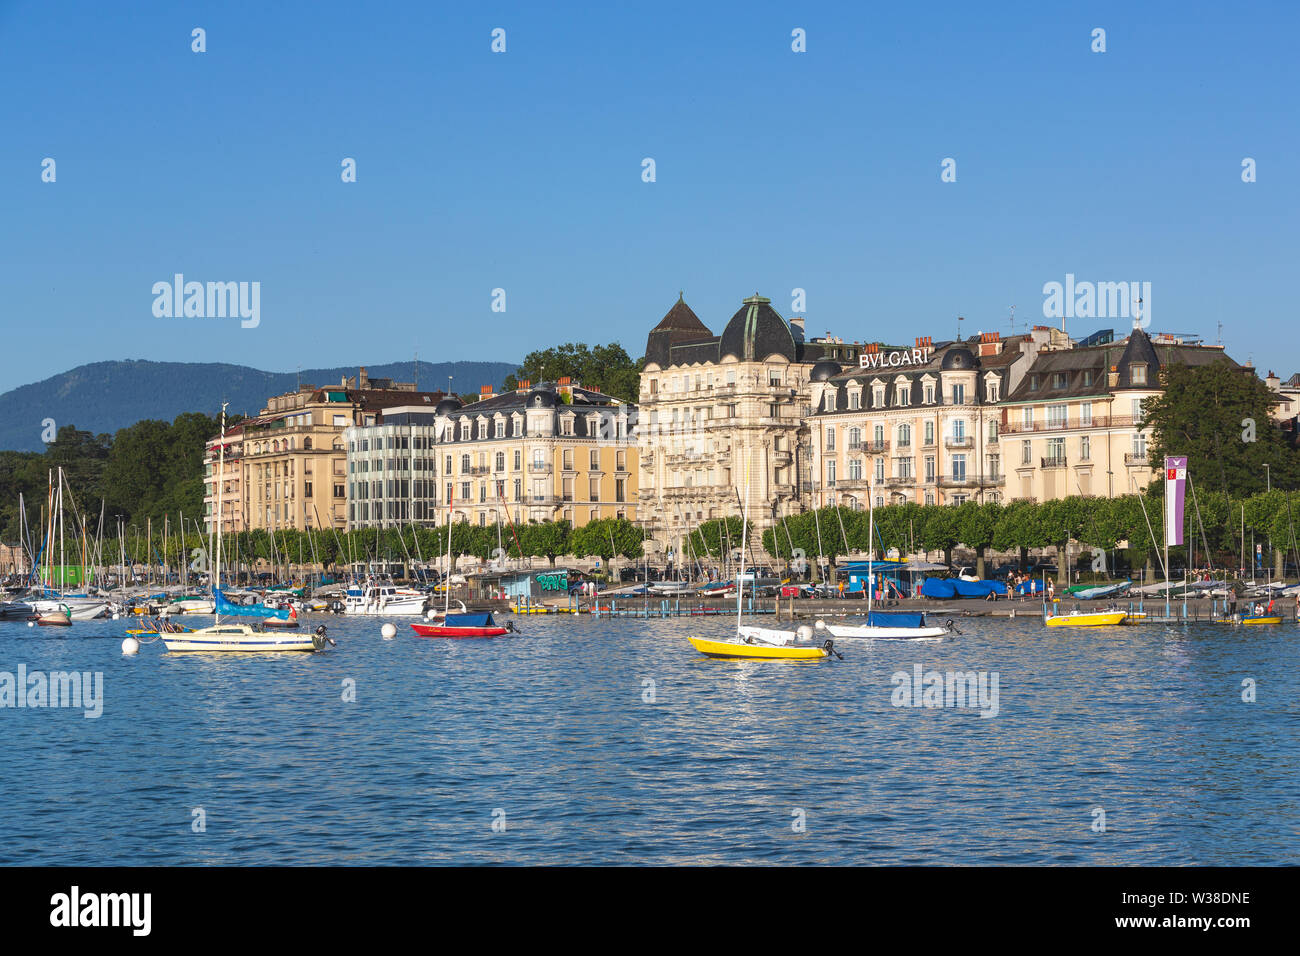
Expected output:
(1098, 619)
(735, 649)
(1261, 620)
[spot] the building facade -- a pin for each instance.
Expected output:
(224, 472)
(551, 451)
(917, 424)
(1074, 426)
(723, 422)
(293, 459)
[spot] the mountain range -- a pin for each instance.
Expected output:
(105, 396)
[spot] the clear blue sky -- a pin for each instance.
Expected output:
(522, 170)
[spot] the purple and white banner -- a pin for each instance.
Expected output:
(1175, 488)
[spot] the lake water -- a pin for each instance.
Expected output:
(557, 737)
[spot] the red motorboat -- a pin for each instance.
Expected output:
(463, 625)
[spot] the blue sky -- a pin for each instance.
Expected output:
(522, 171)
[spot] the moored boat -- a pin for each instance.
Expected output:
(755, 649)
(463, 625)
(1086, 619)
(889, 626)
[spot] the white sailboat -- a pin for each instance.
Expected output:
(235, 636)
(883, 625)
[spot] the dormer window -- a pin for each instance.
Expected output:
(1058, 380)
(1033, 383)
(878, 396)
(1137, 374)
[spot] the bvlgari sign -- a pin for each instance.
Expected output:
(896, 358)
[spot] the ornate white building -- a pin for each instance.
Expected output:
(725, 416)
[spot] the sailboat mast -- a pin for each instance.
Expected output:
(221, 468)
(871, 545)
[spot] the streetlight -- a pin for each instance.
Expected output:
(1268, 478)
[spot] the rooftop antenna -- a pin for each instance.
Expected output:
(1012, 320)
(1219, 339)
(960, 320)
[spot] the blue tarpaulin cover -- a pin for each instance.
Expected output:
(226, 609)
(937, 588)
(896, 619)
(978, 588)
(470, 620)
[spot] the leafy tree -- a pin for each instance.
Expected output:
(1206, 413)
(976, 525)
(604, 368)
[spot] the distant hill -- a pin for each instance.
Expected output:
(106, 396)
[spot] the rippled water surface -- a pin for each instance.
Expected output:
(553, 730)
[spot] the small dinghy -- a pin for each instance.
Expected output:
(61, 617)
(464, 625)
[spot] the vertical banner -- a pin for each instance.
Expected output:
(1175, 488)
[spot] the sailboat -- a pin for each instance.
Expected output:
(459, 625)
(883, 625)
(760, 643)
(235, 636)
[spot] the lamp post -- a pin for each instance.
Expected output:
(1268, 478)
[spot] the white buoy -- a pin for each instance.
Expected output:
(803, 632)
(115, 615)
(821, 625)
(130, 645)
(430, 614)
(31, 623)
(389, 631)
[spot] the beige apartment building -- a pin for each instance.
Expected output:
(550, 451)
(292, 459)
(1073, 425)
(917, 424)
(226, 470)
(724, 417)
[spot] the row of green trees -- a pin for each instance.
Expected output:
(1217, 527)
(142, 472)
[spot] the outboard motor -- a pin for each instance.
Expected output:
(319, 639)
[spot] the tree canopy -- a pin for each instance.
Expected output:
(604, 368)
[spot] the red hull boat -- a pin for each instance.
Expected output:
(462, 625)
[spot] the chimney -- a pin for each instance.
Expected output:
(486, 392)
(566, 385)
(990, 343)
(1112, 378)
(523, 385)
(797, 322)
(363, 378)
(873, 348)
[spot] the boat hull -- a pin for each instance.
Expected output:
(442, 630)
(1098, 619)
(1261, 620)
(236, 638)
(866, 632)
(742, 651)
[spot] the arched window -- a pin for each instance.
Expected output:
(306, 444)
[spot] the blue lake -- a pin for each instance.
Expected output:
(551, 734)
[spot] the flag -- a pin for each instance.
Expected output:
(1175, 488)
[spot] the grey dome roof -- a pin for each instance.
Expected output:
(958, 357)
(541, 397)
(823, 370)
(755, 332)
(447, 406)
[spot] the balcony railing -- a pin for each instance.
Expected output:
(1055, 461)
(540, 467)
(1097, 421)
(1136, 458)
(955, 441)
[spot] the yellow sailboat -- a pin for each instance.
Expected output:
(1262, 620)
(740, 650)
(1087, 619)
(761, 643)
